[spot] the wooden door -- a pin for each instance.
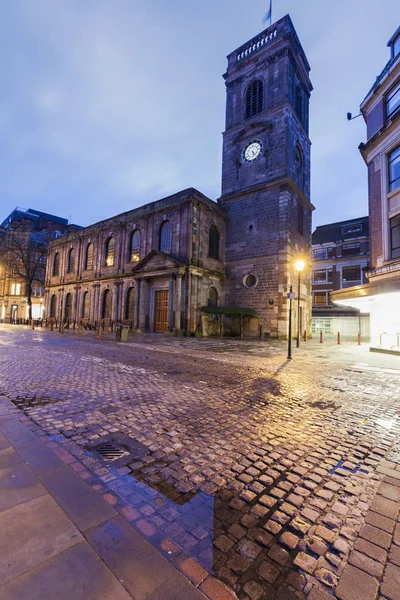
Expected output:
(161, 302)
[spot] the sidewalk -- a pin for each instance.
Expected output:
(60, 539)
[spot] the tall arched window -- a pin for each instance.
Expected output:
(254, 98)
(85, 305)
(212, 296)
(130, 304)
(71, 261)
(68, 306)
(88, 266)
(109, 252)
(134, 246)
(106, 305)
(56, 264)
(213, 243)
(298, 102)
(166, 237)
(299, 166)
(53, 307)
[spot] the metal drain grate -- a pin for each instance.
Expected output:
(117, 449)
(111, 452)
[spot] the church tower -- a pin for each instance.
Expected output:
(266, 177)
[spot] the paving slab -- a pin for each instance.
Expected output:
(131, 558)
(4, 443)
(391, 582)
(39, 458)
(357, 585)
(83, 505)
(76, 574)
(31, 533)
(18, 484)
(15, 432)
(9, 457)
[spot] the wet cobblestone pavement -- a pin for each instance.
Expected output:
(273, 476)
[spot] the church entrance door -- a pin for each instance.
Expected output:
(161, 305)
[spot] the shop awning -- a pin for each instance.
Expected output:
(229, 310)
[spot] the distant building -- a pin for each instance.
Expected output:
(381, 152)
(164, 266)
(340, 258)
(24, 236)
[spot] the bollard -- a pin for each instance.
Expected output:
(33, 324)
(320, 337)
(51, 325)
(62, 326)
(80, 328)
(359, 338)
(338, 337)
(305, 335)
(99, 332)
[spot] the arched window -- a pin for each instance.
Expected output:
(212, 296)
(298, 166)
(213, 243)
(106, 305)
(134, 246)
(130, 304)
(166, 237)
(85, 305)
(71, 261)
(88, 266)
(109, 252)
(56, 264)
(254, 98)
(68, 306)
(53, 307)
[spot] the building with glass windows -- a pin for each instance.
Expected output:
(24, 236)
(340, 257)
(381, 153)
(159, 266)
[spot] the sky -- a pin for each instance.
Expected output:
(105, 106)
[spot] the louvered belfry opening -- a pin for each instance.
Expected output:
(254, 98)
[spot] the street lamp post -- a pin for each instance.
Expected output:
(290, 296)
(299, 266)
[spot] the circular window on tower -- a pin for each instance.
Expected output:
(250, 281)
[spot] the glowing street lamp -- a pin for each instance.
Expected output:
(299, 266)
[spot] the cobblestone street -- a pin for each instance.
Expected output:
(279, 479)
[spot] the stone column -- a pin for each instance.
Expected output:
(171, 304)
(143, 305)
(178, 300)
(189, 301)
(76, 312)
(137, 297)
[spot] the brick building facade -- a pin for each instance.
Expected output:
(340, 259)
(172, 257)
(381, 153)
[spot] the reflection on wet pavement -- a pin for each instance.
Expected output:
(260, 470)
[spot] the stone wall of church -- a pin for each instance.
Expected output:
(190, 214)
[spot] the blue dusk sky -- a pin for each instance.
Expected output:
(107, 105)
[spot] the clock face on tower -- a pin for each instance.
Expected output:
(252, 150)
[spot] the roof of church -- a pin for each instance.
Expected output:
(180, 197)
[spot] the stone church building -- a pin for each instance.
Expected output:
(161, 267)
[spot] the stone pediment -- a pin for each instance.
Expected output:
(157, 261)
